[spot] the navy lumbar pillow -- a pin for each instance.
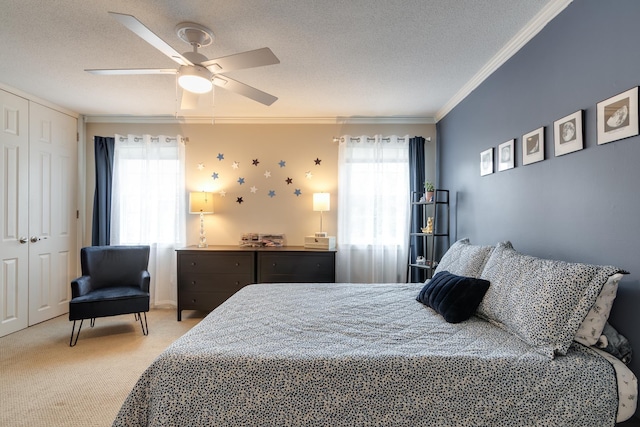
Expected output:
(455, 298)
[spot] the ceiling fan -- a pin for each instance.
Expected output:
(196, 73)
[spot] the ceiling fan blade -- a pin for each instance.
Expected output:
(250, 59)
(128, 71)
(132, 23)
(243, 89)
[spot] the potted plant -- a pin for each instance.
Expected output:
(429, 189)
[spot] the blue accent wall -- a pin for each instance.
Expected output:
(579, 207)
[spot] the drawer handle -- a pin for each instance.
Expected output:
(193, 282)
(237, 282)
(318, 265)
(237, 264)
(193, 263)
(193, 300)
(274, 264)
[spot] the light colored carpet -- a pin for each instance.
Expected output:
(44, 382)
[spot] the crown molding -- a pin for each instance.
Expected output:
(533, 27)
(257, 120)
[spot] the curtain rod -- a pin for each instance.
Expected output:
(156, 139)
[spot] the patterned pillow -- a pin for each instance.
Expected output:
(592, 326)
(453, 297)
(540, 301)
(464, 259)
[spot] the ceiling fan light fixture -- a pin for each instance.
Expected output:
(196, 79)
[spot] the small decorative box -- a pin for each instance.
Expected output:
(327, 243)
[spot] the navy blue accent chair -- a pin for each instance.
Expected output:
(114, 281)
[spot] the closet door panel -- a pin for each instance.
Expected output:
(14, 247)
(52, 212)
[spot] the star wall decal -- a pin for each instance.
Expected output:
(308, 175)
(255, 162)
(239, 200)
(272, 193)
(289, 180)
(254, 189)
(220, 156)
(200, 166)
(267, 174)
(240, 180)
(215, 175)
(297, 192)
(317, 161)
(282, 163)
(235, 165)
(222, 193)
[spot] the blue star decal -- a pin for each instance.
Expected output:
(240, 181)
(297, 192)
(215, 175)
(272, 193)
(282, 163)
(220, 156)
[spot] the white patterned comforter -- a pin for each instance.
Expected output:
(356, 355)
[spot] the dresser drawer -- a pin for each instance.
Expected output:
(199, 282)
(296, 267)
(205, 301)
(216, 263)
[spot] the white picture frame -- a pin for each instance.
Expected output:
(617, 117)
(533, 146)
(486, 162)
(568, 134)
(506, 155)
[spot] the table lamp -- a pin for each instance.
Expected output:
(321, 203)
(201, 203)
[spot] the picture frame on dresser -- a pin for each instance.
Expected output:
(617, 117)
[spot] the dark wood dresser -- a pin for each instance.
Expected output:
(208, 276)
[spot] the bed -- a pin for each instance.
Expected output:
(368, 354)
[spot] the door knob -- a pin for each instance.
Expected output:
(34, 239)
(23, 240)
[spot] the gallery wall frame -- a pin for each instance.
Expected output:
(617, 117)
(568, 134)
(506, 155)
(486, 162)
(533, 146)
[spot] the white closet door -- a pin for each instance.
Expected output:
(52, 211)
(14, 191)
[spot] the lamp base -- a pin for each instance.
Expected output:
(321, 234)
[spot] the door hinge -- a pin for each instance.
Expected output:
(77, 136)
(77, 214)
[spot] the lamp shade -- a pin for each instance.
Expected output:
(196, 79)
(321, 202)
(200, 202)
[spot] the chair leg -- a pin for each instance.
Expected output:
(145, 327)
(71, 341)
(136, 316)
(93, 322)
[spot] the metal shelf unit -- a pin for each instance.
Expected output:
(432, 243)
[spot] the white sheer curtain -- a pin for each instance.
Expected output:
(148, 205)
(373, 214)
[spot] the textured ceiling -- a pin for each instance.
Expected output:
(356, 58)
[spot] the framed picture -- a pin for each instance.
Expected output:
(533, 146)
(486, 162)
(617, 117)
(505, 155)
(567, 134)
